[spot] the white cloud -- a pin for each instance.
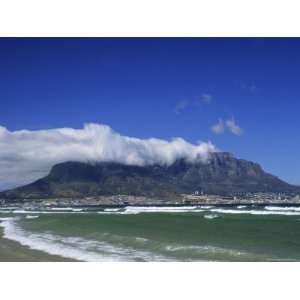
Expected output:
(233, 127)
(219, 127)
(28, 155)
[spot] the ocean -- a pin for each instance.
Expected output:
(151, 234)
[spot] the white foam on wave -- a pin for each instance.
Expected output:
(255, 212)
(73, 247)
(45, 212)
(77, 209)
(162, 209)
(21, 211)
(285, 208)
(206, 206)
(7, 219)
(211, 217)
(61, 208)
(134, 210)
(204, 250)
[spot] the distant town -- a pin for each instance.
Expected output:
(197, 198)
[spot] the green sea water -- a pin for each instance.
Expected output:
(191, 234)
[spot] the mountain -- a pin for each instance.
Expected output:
(221, 174)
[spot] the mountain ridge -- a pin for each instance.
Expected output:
(221, 174)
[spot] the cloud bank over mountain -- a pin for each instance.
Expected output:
(28, 155)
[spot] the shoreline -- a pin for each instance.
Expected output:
(12, 251)
(104, 206)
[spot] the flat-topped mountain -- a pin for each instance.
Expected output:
(221, 174)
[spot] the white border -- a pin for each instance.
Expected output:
(149, 18)
(149, 281)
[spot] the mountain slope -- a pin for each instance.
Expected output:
(222, 174)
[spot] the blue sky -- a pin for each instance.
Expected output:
(162, 88)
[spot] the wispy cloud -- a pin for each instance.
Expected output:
(183, 104)
(180, 106)
(233, 127)
(230, 124)
(218, 128)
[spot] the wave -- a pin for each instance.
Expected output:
(165, 209)
(210, 217)
(255, 212)
(29, 211)
(77, 209)
(74, 247)
(206, 250)
(129, 210)
(286, 208)
(7, 219)
(133, 210)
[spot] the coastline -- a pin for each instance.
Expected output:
(210, 233)
(72, 205)
(11, 251)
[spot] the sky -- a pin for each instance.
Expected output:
(240, 95)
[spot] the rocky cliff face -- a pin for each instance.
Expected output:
(222, 174)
